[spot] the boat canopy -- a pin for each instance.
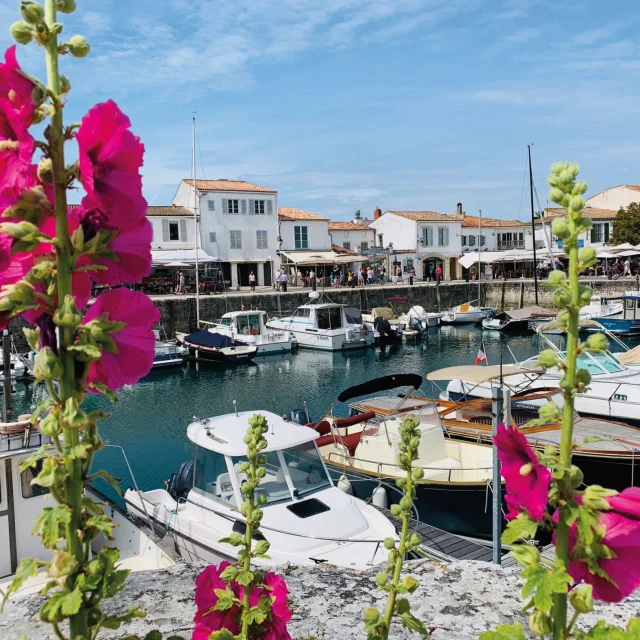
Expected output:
(627, 357)
(381, 384)
(528, 312)
(206, 338)
(584, 323)
(479, 373)
(224, 434)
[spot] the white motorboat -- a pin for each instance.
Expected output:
(463, 314)
(515, 320)
(167, 353)
(22, 502)
(326, 326)
(306, 519)
(387, 326)
(601, 308)
(250, 328)
(426, 318)
(21, 366)
(614, 390)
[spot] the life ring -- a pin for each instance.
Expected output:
(365, 328)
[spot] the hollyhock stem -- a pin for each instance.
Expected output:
(73, 484)
(566, 442)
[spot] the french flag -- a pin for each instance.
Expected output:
(482, 355)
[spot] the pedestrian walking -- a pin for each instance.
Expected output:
(412, 275)
(438, 274)
(627, 268)
(283, 281)
(181, 288)
(252, 281)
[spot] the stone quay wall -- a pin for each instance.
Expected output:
(178, 313)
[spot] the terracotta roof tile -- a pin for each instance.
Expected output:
(336, 248)
(168, 210)
(289, 213)
(427, 216)
(588, 212)
(472, 221)
(633, 187)
(347, 226)
(228, 185)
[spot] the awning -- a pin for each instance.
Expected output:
(311, 258)
(625, 246)
(516, 255)
(479, 373)
(159, 258)
(606, 255)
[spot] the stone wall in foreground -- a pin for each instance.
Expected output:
(460, 600)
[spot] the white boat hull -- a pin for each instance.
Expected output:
(462, 317)
(326, 340)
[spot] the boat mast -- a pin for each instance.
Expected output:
(196, 225)
(479, 256)
(533, 227)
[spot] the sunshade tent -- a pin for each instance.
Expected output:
(527, 312)
(478, 373)
(160, 258)
(606, 255)
(625, 246)
(311, 258)
(491, 257)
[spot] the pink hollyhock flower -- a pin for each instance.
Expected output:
(622, 536)
(131, 245)
(17, 88)
(16, 144)
(135, 342)
(527, 481)
(201, 632)
(205, 599)
(110, 157)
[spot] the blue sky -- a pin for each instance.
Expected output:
(350, 104)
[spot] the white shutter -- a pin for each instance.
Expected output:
(252, 204)
(212, 205)
(183, 230)
(430, 236)
(165, 230)
(269, 207)
(446, 236)
(243, 206)
(225, 208)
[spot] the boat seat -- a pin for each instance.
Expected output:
(323, 427)
(350, 442)
(340, 423)
(440, 470)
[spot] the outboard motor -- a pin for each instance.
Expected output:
(299, 416)
(382, 326)
(416, 325)
(181, 483)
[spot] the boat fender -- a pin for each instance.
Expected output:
(344, 484)
(379, 497)
(365, 328)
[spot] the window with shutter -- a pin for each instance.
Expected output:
(224, 206)
(174, 231)
(251, 207)
(464, 240)
(235, 238)
(211, 204)
(606, 232)
(269, 207)
(593, 234)
(165, 231)
(243, 206)
(446, 236)
(261, 240)
(472, 241)
(183, 230)
(212, 236)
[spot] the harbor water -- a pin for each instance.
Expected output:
(149, 421)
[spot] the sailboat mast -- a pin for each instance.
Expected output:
(533, 227)
(479, 255)
(196, 225)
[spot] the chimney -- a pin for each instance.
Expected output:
(357, 214)
(459, 209)
(377, 212)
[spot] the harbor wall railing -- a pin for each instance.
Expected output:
(178, 313)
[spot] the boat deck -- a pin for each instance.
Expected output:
(442, 545)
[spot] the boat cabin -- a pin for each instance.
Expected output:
(294, 466)
(245, 323)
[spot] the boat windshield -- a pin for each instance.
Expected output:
(305, 469)
(329, 318)
(248, 325)
(597, 363)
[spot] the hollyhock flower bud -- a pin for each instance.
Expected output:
(555, 195)
(78, 46)
(45, 170)
(557, 278)
(66, 6)
(577, 203)
(581, 598)
(547, 359)
(579, 188)
(21, 32)
(529, 491)
(560, 228)
(540, 623)
(65, 85)
(32, 12)
(135, 341)
(587, 257)
(596, 343)
(47, 365)
(67, 314)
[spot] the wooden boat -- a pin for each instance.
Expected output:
(454, 494)
(516, 320)
(215, 347)
(609, 462)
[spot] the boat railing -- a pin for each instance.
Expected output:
(348, 461)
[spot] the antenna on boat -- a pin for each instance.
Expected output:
(235, 408)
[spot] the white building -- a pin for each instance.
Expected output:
(173, 227)
(303, 231)
(598, 237)
(615, 198)
(238, 225)
(352, 235)
(494, 234)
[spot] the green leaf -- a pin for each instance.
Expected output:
(223, 634)
(50, 524)
(102, 388)
(229, 574)
(114, 582)
(409, 621)
(85, 352)
(153, 635)
(27, 568)
(52, 473)
(108, 478)
(542, 583)
(245, 578)
(520, 528)
(505, 632)
(226, 599)
(60, 605)
(103, 524)
(33, 458)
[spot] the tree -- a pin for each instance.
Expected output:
(626, 226)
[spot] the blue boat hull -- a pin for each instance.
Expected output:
(620, 326)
